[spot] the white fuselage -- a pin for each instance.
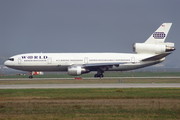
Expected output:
(61, 61)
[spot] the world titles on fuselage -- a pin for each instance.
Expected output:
(34, 57)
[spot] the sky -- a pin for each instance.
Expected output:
(63, 26)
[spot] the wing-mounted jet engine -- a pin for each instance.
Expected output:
(77, 70)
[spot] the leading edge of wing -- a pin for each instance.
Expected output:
(102, 64)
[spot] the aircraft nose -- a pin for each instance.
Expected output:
(6, 63)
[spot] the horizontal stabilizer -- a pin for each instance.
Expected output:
(157, 57)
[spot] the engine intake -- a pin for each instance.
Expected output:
(77, 70)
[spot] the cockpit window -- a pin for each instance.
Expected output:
(11, 59)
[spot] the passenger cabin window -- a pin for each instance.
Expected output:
(11, 59)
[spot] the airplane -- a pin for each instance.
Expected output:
(151, 52)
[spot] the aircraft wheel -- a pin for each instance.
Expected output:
(96, 75)
(101, 75)
(30, 77)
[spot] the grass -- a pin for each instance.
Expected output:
(131, 93)
(57, 110)
(88, 104)
(91, 104)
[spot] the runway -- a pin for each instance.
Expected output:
(88, 78)
(110, 85)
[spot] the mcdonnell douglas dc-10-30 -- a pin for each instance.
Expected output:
(152, 51)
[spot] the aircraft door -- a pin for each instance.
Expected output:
(19, 60)
(49, 60)
(85, 60)
(133, 59)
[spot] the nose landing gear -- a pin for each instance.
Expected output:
(30, 77)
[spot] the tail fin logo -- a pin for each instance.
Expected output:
(159, 35)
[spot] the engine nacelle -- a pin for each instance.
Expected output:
(153, 48)
(77, 70)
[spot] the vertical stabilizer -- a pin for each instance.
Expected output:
(159, 35)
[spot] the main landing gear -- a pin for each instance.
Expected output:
(99, 73)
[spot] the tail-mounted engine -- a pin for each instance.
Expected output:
(77, 70)
(153, 48)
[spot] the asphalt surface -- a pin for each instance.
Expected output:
(104, 85)
(110, 85)
(88, 78)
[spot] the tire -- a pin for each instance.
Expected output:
(96, 75)
(101, 75)
(30, 77)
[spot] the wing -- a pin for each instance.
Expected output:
(156, 57)
(102, 66)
